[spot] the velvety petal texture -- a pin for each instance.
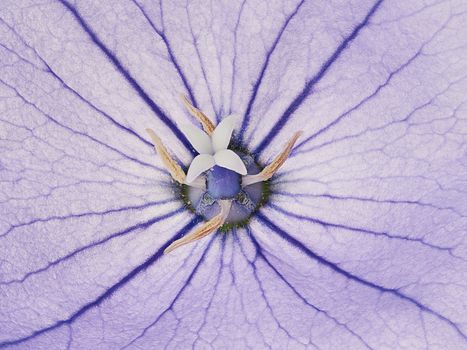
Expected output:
(362, 243)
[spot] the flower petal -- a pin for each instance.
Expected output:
(198, 138)
(229, 159)
(222, 134)
(200, 164)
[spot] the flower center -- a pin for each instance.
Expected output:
(225, 184)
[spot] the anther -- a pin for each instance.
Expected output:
(207, 124)
(271, 169)
(170, 164)
(206, 229)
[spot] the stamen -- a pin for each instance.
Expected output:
(207, 124)
(271, 169)
(206, 229)
(172, 166)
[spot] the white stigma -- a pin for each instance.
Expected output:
(212, 149)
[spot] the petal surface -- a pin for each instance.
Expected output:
(363, 242)
(229, 159)
(200, 164)
(223, 132)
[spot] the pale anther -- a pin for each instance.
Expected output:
(207, 228)
(171, 165)
(271, 169)
(207, 124)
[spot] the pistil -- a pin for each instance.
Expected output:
(223, 171)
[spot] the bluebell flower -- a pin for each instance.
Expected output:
(348, 235)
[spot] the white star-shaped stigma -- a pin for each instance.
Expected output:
(212, 149)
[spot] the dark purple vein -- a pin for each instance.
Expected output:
(174, 60)
(131, 229)
(352, 277)
(257, 84)
(107, 293)
(177, 296)
(260, 254)
(126, 74)
(361, 103)
(296, 103)
(69, 88)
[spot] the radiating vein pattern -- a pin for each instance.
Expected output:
(316, 78)
(361, 243)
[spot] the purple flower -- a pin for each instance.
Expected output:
(356, 242)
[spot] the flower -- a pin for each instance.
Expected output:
(353, 233)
